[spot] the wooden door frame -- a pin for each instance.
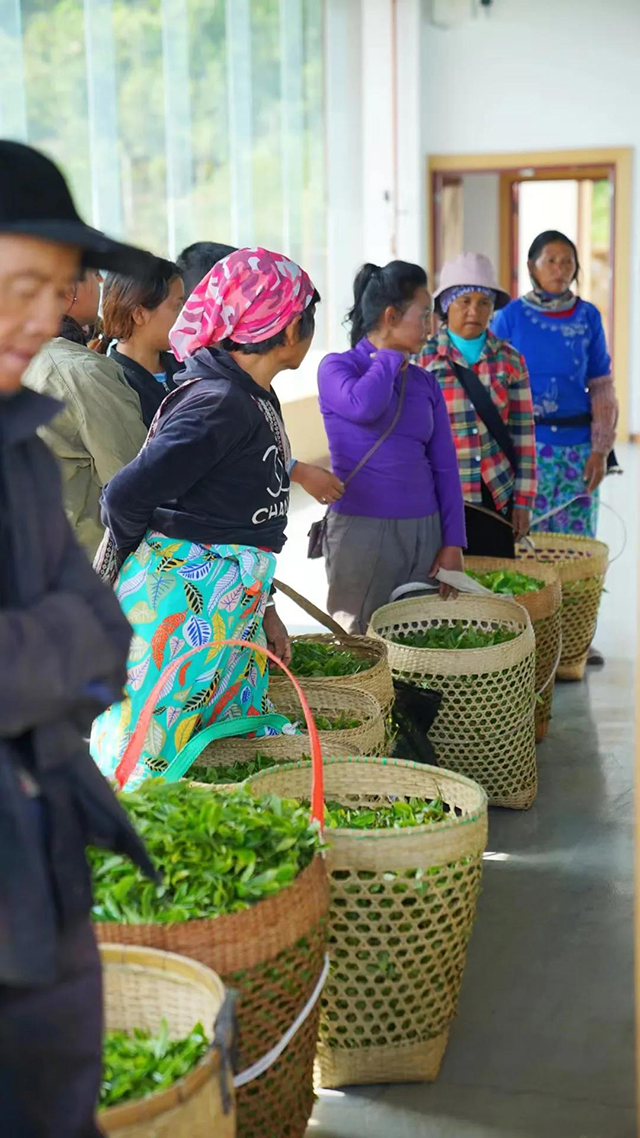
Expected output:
(563, 164)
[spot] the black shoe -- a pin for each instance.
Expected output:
(595, 659)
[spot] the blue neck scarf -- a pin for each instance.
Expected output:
(470, 349)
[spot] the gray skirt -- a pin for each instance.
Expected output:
(367, 558)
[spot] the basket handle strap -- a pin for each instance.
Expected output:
(133, 750)
(307, 606)
(230, 727)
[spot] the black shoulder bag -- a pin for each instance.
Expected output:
(488, 412)
(315, 548)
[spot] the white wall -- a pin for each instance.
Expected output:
(538, 76)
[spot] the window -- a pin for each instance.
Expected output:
(177, 120)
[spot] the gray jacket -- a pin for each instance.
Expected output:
(97, 431)
(63, 650)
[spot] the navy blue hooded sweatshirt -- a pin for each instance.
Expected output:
(217, 469)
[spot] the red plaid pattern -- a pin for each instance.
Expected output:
(503, 371)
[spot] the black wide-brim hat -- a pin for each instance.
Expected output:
(35, 201)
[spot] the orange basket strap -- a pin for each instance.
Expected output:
(132, 753)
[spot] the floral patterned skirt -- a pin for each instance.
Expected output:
(179, 595)
(560, 477)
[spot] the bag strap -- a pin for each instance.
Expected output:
(487, 410)
(228, 729)
(312, 610)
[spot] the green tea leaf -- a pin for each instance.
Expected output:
(218, 851)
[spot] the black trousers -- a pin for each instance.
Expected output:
(489, 537)
(50, 1047)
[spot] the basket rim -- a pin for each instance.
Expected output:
(466, 653)
(140, 958)
(546, 571)
(549, 569)
(370, 706)
(370, 644)
(270, 902)
(565, 539)
(407, 764)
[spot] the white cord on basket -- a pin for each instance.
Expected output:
(258, 1068)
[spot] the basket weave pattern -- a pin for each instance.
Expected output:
(367, 739)
(402, 908)
(484, 728)
(375, 680)
(272, 954)
(544, 608)
(582, 565)
(141, 987)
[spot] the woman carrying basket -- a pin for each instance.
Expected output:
(200, 514)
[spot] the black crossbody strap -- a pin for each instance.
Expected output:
(488, 412)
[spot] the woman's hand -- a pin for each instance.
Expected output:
(449, 557)
(277, 636)
(321, 484)
(595, 470)
(521, 521)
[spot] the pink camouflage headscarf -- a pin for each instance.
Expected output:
(248, 296)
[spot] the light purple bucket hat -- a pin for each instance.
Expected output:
(471, 269)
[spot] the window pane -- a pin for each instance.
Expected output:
(267, 156)
(211, 192)
(137, 26)
(179, 120)
(56, 88)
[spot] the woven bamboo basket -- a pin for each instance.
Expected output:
(375, 680)
(402, 908)
(582, 565)
(544, 608)
(485, 724)
(272, 954)
(141, 987)
(366, 739)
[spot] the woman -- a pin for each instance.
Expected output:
(401, 516)
(486, 387)
(138, 315)
(201, 512)
(562, 339)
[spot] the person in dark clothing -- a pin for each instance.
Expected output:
(63, 648)
(200, 514)
(198, 259)
(82, 308)
(194, 263)
(138, 315)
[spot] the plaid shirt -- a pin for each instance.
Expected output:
(503, 371)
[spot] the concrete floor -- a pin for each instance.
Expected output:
(543, 1043)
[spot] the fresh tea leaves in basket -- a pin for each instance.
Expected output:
(340, 722)
(242, 770)
(506, 581)
(138, 1063)
(233, 772)
(454, 635)
(310, 660)
(218, 852)
(397, 816)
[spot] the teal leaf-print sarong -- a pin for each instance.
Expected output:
(560, 479)
(179, 595)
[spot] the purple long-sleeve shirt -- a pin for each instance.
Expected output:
(415, 472)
